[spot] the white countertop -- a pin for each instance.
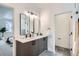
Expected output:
(28, 39)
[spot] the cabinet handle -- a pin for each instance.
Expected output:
(44, 39)
(33, 42)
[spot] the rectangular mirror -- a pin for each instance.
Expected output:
(29, 24)
(24, 24)
(36, 25)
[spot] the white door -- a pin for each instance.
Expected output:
(63, 30)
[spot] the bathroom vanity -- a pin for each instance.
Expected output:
(34, 42)
(31, 47)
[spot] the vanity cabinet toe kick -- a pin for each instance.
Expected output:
(32, 48)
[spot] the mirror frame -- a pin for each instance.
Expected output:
(29, 24)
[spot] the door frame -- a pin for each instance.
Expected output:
(55, 25)
(13, 50)
(76, 38)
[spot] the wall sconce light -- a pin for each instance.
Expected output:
(27, 13)
(30, 14)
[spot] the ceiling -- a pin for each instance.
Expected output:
(42, 5)
(7, 12)
(45, 5)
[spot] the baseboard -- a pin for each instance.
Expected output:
(62, 47)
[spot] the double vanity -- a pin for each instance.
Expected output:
(34, 41)
(31, 46)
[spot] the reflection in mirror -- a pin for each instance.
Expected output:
(24, 22)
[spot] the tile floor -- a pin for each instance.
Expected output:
(47, 53)
(58, 52)
(62, 51)
(5, 49)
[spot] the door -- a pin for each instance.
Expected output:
(62, 23)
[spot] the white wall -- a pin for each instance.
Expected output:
(44, 20)
(48, 15)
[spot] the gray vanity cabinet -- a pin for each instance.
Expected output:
(45, 43)
(23, 49)
(32, 48)
(42, 44)
(35, 48)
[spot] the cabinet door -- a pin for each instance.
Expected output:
(45, 42)
(23, 49)
(40, 45)
(28, 49)
(18, 49)
(35, 48)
